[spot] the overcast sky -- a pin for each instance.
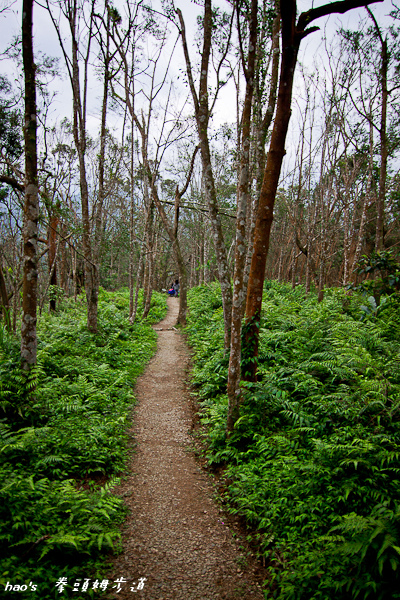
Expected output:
(46, 41)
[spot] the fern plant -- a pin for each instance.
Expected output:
(314, 461)
(54, 519)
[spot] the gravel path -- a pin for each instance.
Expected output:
(175, 535)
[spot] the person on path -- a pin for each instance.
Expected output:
(176, 287)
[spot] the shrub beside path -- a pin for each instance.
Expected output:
(175, 536)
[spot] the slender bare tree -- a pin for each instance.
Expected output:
(203, 112)
(72, 11)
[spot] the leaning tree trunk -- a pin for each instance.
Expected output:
(292, 34)
(71, 11)
(31, 204)
(269, 186)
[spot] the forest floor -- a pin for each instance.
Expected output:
(175, 536)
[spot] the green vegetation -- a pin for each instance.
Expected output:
(63, 445)
(314, 462)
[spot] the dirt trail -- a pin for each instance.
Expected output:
(175, 535)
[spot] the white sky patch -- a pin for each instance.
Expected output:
(45, 40)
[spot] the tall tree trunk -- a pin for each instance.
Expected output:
(89, 267)
(290, 46)
(132, 229)
(292, 35)
(148, 277)
(173, 236)
(63, 261)
(148, 290)
(310, 250)
(31, 204)
(52, 244)
(219, 242)
(141, 267)
(71, 11)
(380, 209)
(16, 297)
(379, 240)
(261, 131)
(98, 217)
(366, 201)
(202, 265)
(346, 243)
(79, 131)
(360, 236)
(202, 114)
(74, 260)
(234, 372)
(53, 268)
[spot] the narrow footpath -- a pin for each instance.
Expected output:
(175, 535)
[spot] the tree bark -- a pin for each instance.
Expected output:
(138, 278)
(31, 204)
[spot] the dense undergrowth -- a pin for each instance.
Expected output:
(63, 445)
(314, 463)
